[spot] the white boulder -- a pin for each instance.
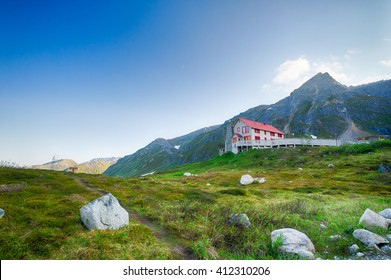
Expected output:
(293, 242)
(367, 237)
(246, 179)
(104, 213)
(372, 220)
(2, 212)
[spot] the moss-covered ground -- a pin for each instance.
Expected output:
(301, 191)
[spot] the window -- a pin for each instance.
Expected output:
(238, 129)
(257, 131)
(272, 134)
(280, 135)
(245, 129)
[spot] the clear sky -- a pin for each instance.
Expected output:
(84, 79)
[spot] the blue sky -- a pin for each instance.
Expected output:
(85, 79)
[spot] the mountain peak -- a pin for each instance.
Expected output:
(322, 80)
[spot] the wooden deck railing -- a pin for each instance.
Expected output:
(288, 142)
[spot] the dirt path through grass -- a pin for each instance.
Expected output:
(175, 244)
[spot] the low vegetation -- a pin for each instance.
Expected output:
(301, 191)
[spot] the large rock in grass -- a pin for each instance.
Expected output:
(246, 179)
(239, 220)
(386, 213)
(372, 220)
(368, 237)
(291, 241)
(2, 212)
(384, 168)
(104, 213)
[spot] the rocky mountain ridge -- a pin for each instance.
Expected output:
(321, 106)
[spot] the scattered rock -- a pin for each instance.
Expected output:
(384, 168)
(353, 249)
(260, 180)
(388, 236)
(368, 237)
(246, 179)
(334, 237)
(208, 184)
(359, 255)
(104, 213)
(371, 220)
(386, 249)
(293, 242)
(187, 174)
(331, 165)
(2, 212)
(239, 220)
(386, 213)
(300, 169)
(322, 226)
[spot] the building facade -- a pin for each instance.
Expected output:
(250, 134)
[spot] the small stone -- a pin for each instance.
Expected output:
(334, 237)
(384, 168)
(187, 174)
(300, 169)
(260, 180)
(246, 179)
(331, 165)
(386, 249)
(353, 249)
(239, 220)
(359, 255)
(322, 226)
(2, 212)
(208, 184)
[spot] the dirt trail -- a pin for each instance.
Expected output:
(178, 250)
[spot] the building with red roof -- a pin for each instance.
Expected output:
(249, 134)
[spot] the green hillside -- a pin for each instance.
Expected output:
(169, 210)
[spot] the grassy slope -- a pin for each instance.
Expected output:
(42, 216)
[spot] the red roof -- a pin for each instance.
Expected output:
(261, 126)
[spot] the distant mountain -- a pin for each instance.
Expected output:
(94, 166)
(321, 106)
(57, 165)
